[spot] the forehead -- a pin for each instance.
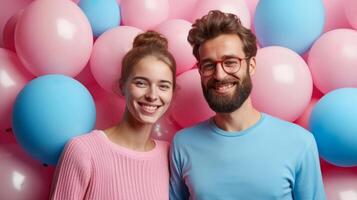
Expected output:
(225, 44)
(153, 69)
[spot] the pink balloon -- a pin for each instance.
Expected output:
(303, 120)
(9, 8)
(252, 5)
(282, 84)
(53, 37)
(189, 105)
(238, 7)
(176, 32)
(144, 14)
(181, 9)
(110, 107)
(86, 77)
(332, 60)
(340, 183)
(9, 31)
(165, 129)
(350, 7)
(108, 52)
(335, 15)
(7, 137)
(22, 177)
(13, 77)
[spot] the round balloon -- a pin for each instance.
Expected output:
(332, 60)
(108, 52)
(165, 128)
(144, 14)
(282, 83)
(110, 107)
(21, 176)
(351, 12)
(102, 15)
(189, 105)
(294, 24)
(340, 183)
(176, 32)
(9, 31)
(333, 123)
(335, 15)
(181, 9)
(237, 7)
(13, 77)
(53, 37)
(49, 111)
(304, 118)
(8, 9)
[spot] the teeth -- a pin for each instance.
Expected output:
(149, 108)
(224, 87)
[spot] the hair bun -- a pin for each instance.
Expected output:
(150, 38)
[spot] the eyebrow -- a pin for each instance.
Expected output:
(146, 79)
(222, 58)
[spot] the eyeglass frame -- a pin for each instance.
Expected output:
(221, 63)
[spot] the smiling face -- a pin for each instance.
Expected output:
(225, 92)
(148, 90)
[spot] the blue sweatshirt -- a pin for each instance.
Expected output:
(273, 159)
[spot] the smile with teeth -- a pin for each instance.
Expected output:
(148, 108)
(222, 88)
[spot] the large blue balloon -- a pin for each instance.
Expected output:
(102, 14)
(48, 112)
(294, 24)
(334, 124)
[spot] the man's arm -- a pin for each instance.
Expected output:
(308, 181)
(178, 189)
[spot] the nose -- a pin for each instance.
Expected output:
(219, 73)
(151, 94)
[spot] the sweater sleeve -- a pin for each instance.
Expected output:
(73, 172)
(308, 183)
(178, 189)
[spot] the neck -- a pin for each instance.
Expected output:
(238, 120)
(131, 134)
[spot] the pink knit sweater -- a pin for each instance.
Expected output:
(92, 167)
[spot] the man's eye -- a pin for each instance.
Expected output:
(208, 65)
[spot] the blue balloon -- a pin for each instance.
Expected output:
(333, 122)
(294, 24)
(102, 14)
(49, 111)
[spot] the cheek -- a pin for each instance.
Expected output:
(167, 97)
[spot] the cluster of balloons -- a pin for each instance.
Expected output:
(60, 62)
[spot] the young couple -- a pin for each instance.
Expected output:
(239, 153)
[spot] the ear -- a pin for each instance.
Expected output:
(252, 66)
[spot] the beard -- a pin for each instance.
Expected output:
(228, 103)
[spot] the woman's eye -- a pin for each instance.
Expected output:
(140, 84)
(164, 87)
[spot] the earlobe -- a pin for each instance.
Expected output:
(252, 66)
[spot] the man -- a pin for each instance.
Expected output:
(240, 153)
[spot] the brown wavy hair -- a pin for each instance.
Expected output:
(216, 23)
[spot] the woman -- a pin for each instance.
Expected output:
(123, 162)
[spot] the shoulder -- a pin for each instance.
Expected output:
(292, 135)
(191, 133)
(82, 143)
